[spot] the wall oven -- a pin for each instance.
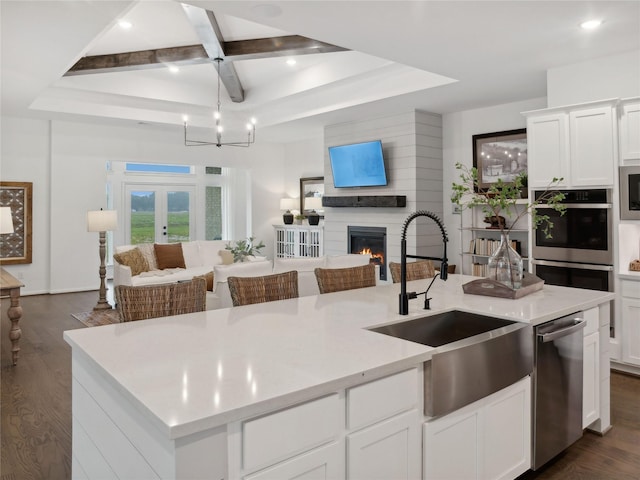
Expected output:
(580, 252)
(630, 192)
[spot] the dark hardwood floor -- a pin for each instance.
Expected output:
(36, 405)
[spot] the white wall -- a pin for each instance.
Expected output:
(617, 76)
(458, 129)
(66, 161)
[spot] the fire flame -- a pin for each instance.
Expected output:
(374, 256)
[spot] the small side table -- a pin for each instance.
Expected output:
(10, 286)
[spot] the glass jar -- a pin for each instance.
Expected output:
(505, 265)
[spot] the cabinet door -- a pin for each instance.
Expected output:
(548, 145)
(630, 132)
(389, 449)
(323, 463)
(592, 135)
(506, 436)
(591, 379)
(631, 331)
(451, 446)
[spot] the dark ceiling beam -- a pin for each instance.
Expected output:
(276, 47)
(208, 31)
(119, 62)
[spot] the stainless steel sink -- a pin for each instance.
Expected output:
(476, 355)
(443, 328)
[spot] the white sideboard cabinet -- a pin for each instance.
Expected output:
(298, 241)
(578, 143)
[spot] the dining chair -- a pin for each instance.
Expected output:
(338, 279)
(152, 301)
(415, 270)
(266, 288)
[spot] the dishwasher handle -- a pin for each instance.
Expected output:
(562, 332)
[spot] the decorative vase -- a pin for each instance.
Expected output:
(505, 265)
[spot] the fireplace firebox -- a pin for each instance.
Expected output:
(372, 241)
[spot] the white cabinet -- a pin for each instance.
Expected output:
(630, 290)
(629, 130)
(578, 143)
(548, 148)
(591, 368)
(489, 439)
(367, 431)
(298, 241)
(324, 463)
(387, 450)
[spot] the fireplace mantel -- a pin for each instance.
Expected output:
(365, 201)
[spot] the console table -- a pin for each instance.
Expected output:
(298, 241)
(10, 286)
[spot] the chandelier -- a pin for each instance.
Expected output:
(251, 126)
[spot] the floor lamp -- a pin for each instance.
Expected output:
(102, 221)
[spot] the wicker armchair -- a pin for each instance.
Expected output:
(267, 288)
(140, 303)
(415, 270)
(338, 279)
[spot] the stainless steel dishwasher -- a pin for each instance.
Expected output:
(557, 386)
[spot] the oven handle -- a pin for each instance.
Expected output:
(579, 205)
(580, 266)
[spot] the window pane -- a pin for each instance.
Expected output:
(155, 168)
(213, 212)
(178, 217)
(143, 215)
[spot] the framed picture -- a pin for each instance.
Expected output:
(311, 187)
(499, 155)
(16, 247)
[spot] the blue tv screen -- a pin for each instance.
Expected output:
(358, 165)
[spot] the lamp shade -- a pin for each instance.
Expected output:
(6, 221)
(313, 203)
(288, 203)
(102, 220)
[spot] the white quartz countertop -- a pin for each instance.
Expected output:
(198, 371)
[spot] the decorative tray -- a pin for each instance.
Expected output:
(493, 288)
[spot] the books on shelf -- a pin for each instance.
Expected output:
(479, 269)
(487, 246)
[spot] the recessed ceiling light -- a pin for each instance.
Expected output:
(125, 24)
(291, 61)
(173, 69)
(591, 24)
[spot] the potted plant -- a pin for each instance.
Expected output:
(299, 218)
(505, 265)
(244, 248)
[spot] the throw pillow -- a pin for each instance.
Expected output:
(169, 255)
(226, 256)
(209, 278)
(133, 259)
(149, 254)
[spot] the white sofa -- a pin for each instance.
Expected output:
(199, 259)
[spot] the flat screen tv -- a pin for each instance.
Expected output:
(358, 165)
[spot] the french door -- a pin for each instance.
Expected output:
(159, 213)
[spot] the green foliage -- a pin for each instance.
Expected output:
(244, 248)
(502, 198)
(143, 227)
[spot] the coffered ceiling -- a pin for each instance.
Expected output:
(378, 57)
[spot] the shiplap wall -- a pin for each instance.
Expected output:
(412, 147)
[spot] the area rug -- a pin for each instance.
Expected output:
(96, 318)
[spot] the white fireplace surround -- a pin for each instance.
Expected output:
(412, 148)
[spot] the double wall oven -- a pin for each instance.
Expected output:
(580, 252)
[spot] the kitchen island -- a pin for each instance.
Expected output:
(272, 390)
